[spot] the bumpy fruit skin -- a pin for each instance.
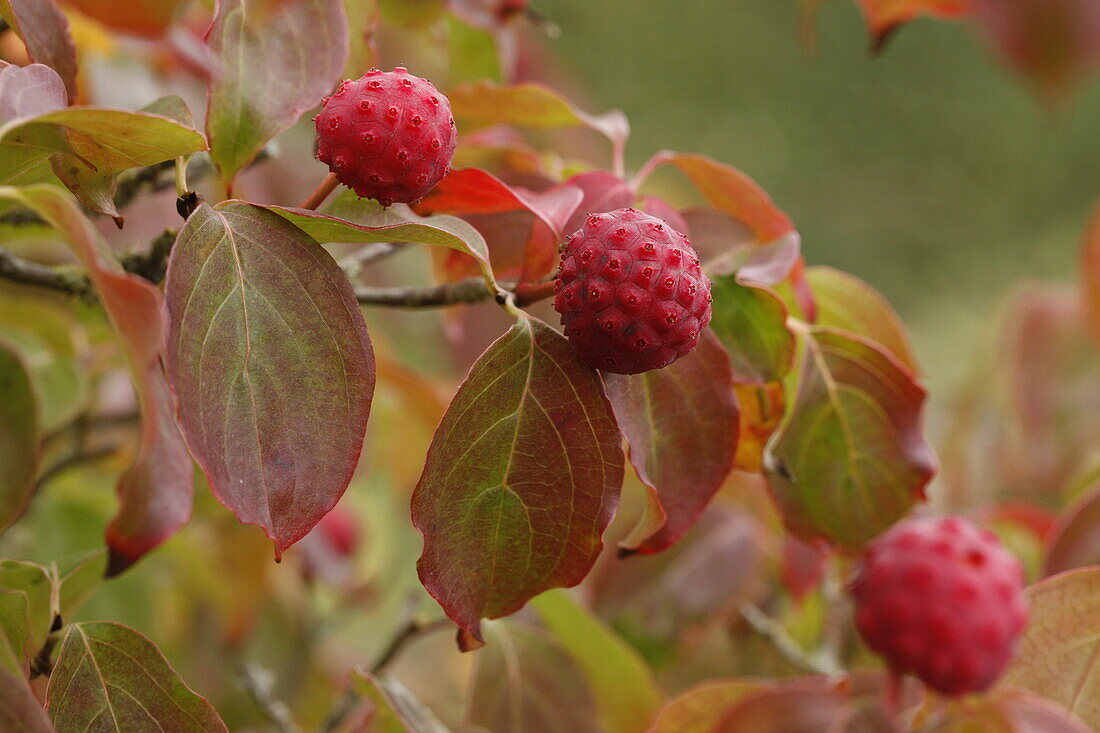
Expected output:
(388, 136)
(942, 599)
(630, 292)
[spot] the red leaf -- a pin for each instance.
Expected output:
(141, 17)
(1090, 273)
(681, 423)
(155, 492)
(728, 189)
(803, 565)
(19, 709)
(474, 192)
(884, 16)
(1075, 539)
(602, 192)
(522, 477)
(1054, 43)
(45, 31)
(271, 363)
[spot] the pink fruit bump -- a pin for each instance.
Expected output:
(631, 293)
(942, 599)
(388, 136)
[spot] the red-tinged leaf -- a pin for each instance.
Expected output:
(884, 16)
(808, 704)
(473, 191)
(29, 91)
(658, 207)
(751, 323)
(1054, 43)
(850, 459)
(1075, 539)
(530, 105)
(731, 191)
(702, 707)
(847, 303)
(1058, 656)
(45, 31)
(139, 17)
(602, 191)
(803, 566)
(692, 585)
(108, 677)
(762, 409)
(441, 231)
(1090, 273)
(271, 64)
(19, 435)
(20, 711)
(155, 492)
(395, 710)
(521, 480)
(271, 364)
(727, 245)
(625, 693)
(1029, 713)
(681, 423)
(523, 681)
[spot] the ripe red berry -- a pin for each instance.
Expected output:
(630, 292)
(388, 136)
(941, 599)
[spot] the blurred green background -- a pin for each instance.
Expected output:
(931, 170)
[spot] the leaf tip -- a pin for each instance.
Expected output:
(117, 562)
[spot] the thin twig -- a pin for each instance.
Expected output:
(260, 685)
(76, 458)
(321, 192)
(67, 280)
(405, 634)
(470, 290)
(773, 631)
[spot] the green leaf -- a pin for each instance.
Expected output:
(271, 363)
(14, 630)
(751, 323)
(681, 423)
(37, 586)
(850, 458)
(363, 18)
(702, 707)
(522, 477)
(623, 687)
(45, 32)
(440, 231)
(847, 303)
(155, 491)
(44, 333)
(77, 579)
(272, 63)
(395, 708)
(472, 52)
(20, 432)
(20, 711)
(524, 681)
(97, 143)
(114, 679)
(1058, 656)
(530, 105)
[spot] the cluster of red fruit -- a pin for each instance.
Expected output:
(630, 290)
(939, 598)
